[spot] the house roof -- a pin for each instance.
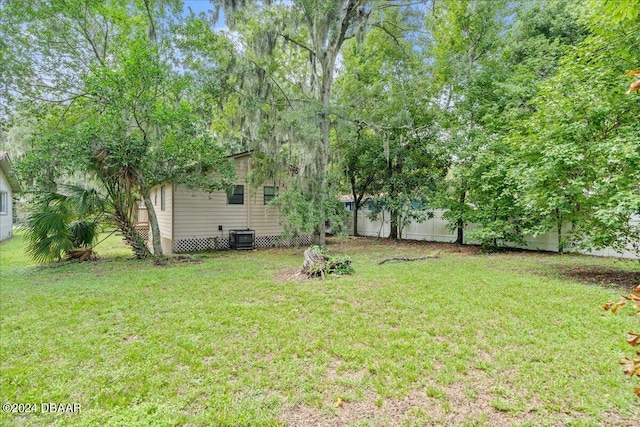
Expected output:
(5, 165)
(241, 154)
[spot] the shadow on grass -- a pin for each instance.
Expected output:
(602, 276)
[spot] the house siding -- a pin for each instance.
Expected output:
(265, 219)
(192, 218)
(165, 217)
(199, 215)
(6, 218)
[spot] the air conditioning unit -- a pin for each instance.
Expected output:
(242, 239)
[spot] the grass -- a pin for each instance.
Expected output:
(465, 339)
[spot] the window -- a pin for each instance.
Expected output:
(270, 193)
(155, 197)
(4, 203)
(236, 197)
(162, 198)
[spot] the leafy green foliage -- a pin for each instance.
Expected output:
(578, 149)
(386, 137)
(518, 107)
(493, 195)
(320, 262)
(48, 233)
(466, 43)
(300, 214)
(121, 103)
(291, 51)
(61, 222)
(340, 265)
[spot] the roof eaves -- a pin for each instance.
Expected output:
(5, 165)
(241, 154)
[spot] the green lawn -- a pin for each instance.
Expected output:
(227, 339)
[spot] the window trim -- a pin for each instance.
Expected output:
(269, 197)
(235, 197)
(163, 198)
(4, 203)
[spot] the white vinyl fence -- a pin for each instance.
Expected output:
(435, 230)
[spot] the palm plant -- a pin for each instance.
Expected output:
(61, 222)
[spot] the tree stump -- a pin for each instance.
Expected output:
(315, 263)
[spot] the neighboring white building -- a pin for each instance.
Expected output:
(8, 186)
(196, 220)
(435, 230)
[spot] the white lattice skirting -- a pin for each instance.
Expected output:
(143, 232)
(212, 243)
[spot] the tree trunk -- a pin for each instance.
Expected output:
(355, 219)
(460, 232)
(131, 235)
(153, 225)
(356, 204)
(559, 229)
(460, 222)
(151, 212)
(393, 213)
(325, 126)
(393, 232)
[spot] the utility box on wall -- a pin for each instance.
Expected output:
(242, 239)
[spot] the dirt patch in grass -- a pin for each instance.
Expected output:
(478, 398)
(446, 408)
(175, 259)
(470, 400)
(292, 275)
(603, 276)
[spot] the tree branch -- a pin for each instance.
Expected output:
(404, 258)
(152, 29)
(87, 35)
(274, 82)
(297, 43)
(393, 37)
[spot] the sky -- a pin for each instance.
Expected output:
(198, 6)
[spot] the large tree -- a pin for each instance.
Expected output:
(387, 132)
(114, 98)
(580, 157)
(497, 57)
(308, 34)
(466, 37)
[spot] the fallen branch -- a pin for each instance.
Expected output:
(81, 254)
(404, 258)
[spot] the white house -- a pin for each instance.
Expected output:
(8, 185)
(196, 220)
